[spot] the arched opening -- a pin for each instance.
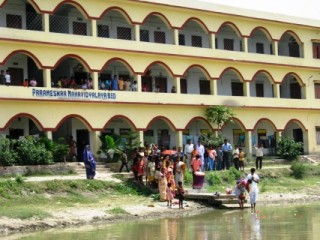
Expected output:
(157, 78)
(69, 20)
(229, 38)
(20, 14)
(235, 133)
(71, 73)
(161, 132)
(195, 128)
(260, 42)
(291, 87)
(114, 24)
(156, 30)
(194, 34)
(230, 83)
(261, 85)
(296, 131)
(196, 81)
(23, 70)
(290, 45)
(265, 133)
(116, 72)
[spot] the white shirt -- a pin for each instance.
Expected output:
(254, 184)
(188, 148)
(200, 149)
(259, 151)
(8, 78)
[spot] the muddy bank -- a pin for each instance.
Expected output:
(83, 216)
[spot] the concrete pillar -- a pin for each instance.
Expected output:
(95, 142)
(48, 134)
(276, 48)
(276, 90)
(137, 32)
(141, 138)
(245, 44)
(176, 37)
(95, 79)
(46, 22)
(179, 137)
(47, 78)
(248, 139)
(176, 81)
(214, 87)
(94, 28)
(246, 89)
(139, 82)
(213, 41)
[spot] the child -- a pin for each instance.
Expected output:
(169, 195)
(180, 191)
(241, 159)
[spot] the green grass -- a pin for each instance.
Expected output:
(117, 211)
(23, 212)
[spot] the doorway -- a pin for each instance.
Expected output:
(82, 140)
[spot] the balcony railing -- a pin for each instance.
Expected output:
(21, 20)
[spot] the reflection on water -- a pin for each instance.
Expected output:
(296, 222)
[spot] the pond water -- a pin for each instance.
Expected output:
(277, 222)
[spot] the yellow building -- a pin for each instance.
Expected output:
(264, 66)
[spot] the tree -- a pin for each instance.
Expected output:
(219, 115)
(289, 149)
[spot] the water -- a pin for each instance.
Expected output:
(295, 222)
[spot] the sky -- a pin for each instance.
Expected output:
(298, 8)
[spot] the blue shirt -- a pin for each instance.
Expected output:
(226, 147)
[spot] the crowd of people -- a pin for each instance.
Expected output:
(165, 169)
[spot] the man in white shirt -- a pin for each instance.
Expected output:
(188, 148)
(254, 178)
(201, 150)
(259, 155)
(7, 78)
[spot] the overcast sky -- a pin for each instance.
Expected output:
(298, 8)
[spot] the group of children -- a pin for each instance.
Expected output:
(171, 194)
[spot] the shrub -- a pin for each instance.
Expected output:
(298, 169)
(32, 152)
(231, 175)
(8, 156)
(213, 178)
(289, 149)
(188, 178)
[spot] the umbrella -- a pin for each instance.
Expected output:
(169, 152)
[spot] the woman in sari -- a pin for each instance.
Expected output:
(198, 176)
(180, 170)
(89, 162)
(162, 184)
(242, 186)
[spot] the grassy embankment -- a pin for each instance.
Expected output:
(24, 200)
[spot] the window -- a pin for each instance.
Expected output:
(228, 44)
(271, 49)
(183, 85)
(204, 87)
(317, 90)
(316, 50)
(182, 39)
(259, 90)
(216, 43)
(196, 41)
(318, 135)
(260, 48)
(14, 21)
(159, 37)
(294, 49)
(79, 28)
(144, 36)
(237, 89)
(262, 137)
(124, 33)
(239, 137)
(103, 31)
(295, 91)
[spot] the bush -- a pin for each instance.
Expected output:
(213, 179)
(299, 170)
(32, 152)
(8, 156)
(231, 175)
(188, 178)
(289, 149)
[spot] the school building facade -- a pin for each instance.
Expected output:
(263, 66)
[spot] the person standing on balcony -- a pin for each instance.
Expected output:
(121, 84)
(134, 86)
(114, 83)
(2, 78)
(8, 78)
(33, 82)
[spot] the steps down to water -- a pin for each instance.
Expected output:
(210, 198)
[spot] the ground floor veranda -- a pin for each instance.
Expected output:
(165, 125)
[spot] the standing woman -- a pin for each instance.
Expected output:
(180, 170)
(198, 176)
(162, 184)
(89, 162)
